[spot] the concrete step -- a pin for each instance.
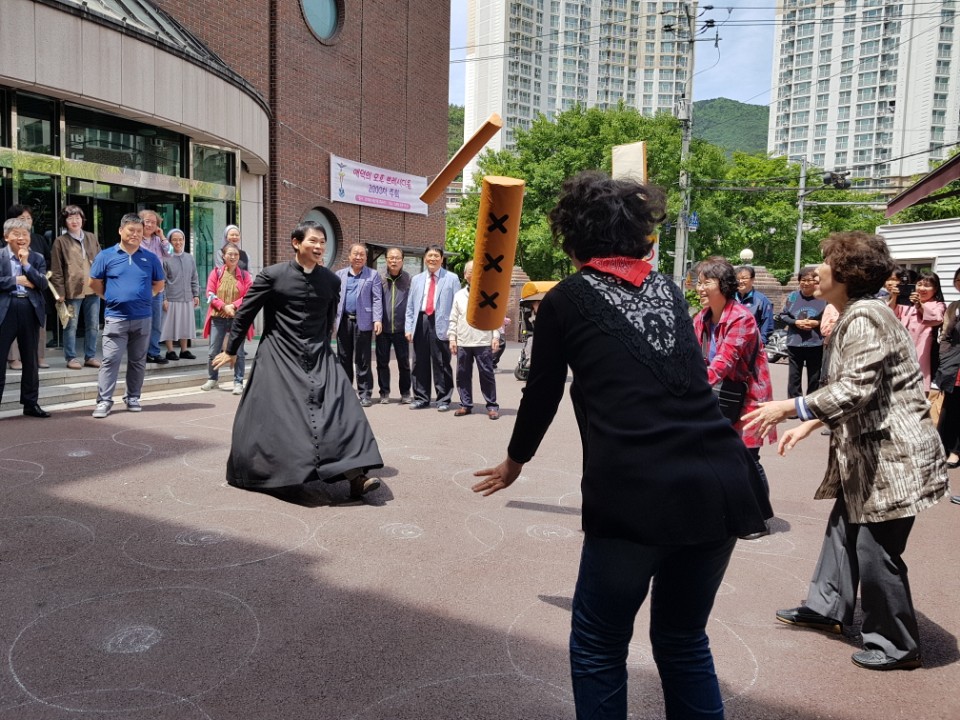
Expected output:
(59, 385)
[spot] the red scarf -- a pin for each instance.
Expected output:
(632, 270)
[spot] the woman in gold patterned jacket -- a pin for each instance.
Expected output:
(886, 460)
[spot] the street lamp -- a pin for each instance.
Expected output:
(746, 256)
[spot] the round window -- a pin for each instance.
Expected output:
(323, 17)
(320, 216)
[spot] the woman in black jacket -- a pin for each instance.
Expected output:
(667, 483)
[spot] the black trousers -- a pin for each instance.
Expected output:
(353, 346)
(800, 357)
(20, 324)
(949, 428)
(431, 353)
(868, 557)
(397, 341)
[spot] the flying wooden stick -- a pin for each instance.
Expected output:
(459, 161)
(498, 227)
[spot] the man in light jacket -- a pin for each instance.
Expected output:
(427, 326)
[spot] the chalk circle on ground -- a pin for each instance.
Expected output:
(391, 537)
(48, 708)
(134, 650)
(14, 473)
(216, 538)
(547, 619)
(78, 457)
(469, 696)
(38, 541)
(432, 456)
(534, 479)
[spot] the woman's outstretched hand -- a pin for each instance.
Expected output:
(497, 478)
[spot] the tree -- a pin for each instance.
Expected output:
(455, 119)
(943, 209)
(576, 140)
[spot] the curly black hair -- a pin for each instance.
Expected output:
(597, 216)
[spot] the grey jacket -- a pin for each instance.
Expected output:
(885, 453)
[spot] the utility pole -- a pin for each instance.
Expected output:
(800, 198)
(685, 116)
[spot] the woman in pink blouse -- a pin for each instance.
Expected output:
(921, 318)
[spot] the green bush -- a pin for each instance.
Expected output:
(782, 275)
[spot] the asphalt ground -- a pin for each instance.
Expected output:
(136, 584)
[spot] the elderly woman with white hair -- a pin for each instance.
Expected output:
(231, 235)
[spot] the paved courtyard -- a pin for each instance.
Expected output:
(136, 584)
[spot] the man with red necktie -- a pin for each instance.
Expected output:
(427, 322)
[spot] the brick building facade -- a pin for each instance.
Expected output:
(376, 92)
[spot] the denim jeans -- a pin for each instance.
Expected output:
(219, 329)
(615, 576)
(89, 307)
(156, 324)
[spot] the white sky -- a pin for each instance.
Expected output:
(740, 69)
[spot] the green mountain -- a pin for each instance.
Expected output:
(732, 125)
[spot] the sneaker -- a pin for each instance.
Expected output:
(172, 356)
(187, 355)
(405, 399)
(238, 388)
(384, 399)
(102, 409)
(366, 402)
(209, 385)
(74, 364)
(157, 359)
(133, 404)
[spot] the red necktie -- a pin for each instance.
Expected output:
(430, 292)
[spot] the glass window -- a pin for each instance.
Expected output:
(214, 165)
(322, 16)
(37, 125)
(333, 242)
(4, 120)
(39, 192)
(116, 141)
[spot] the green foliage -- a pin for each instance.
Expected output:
(454, 129)
(693, 300)
(782, 275)
(759, 212)
(731, 125)
(944, 209)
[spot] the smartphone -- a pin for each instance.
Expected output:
(905, 291)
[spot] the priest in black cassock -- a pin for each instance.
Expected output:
(299, 419)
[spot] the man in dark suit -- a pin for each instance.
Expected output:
(23, 279)
(41, 244)
(359, 318)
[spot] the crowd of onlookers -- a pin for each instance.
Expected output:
(149, 313)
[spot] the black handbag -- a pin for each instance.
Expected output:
(731, 394)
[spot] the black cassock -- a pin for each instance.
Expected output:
(299, 418)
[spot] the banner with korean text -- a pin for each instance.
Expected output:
(360, 184)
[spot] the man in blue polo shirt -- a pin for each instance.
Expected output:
(127, 278)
